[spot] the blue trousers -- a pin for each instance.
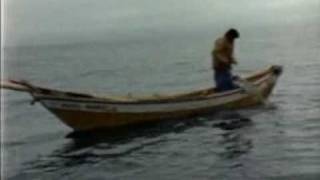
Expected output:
(224, 81)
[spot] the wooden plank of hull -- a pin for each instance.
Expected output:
(85, 120)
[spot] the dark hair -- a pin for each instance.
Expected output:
(232, 33)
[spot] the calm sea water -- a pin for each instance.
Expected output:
(163, 48)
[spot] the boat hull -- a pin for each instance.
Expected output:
(87, 113)
(87, 120)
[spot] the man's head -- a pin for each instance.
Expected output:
(232, 34)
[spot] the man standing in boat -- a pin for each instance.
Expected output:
(222, 60)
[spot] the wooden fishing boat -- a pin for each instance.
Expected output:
(84, 112)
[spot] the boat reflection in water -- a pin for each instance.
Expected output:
(136, 143)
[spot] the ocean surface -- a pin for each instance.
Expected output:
(138, 47)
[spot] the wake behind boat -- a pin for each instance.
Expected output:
(83, 112)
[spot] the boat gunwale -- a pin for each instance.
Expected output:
(151, 101)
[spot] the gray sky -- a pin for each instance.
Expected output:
(61, 21)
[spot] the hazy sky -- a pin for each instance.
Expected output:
(61, 21)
